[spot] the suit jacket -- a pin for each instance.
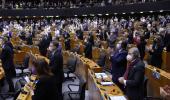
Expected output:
(45, 89)
(7, 56)
(43, 45)
(79, 34)
(56, 64)
(134, 82)
(88, 50)
(167, 42)
(141, 48)
(156, 56)
(29, 40)
(119, 64)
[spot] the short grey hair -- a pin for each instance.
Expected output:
(135, 52)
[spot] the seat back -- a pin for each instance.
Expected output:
(82, 88)
(72, 63)
(18, 57)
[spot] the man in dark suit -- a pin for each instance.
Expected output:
(66, 36)
(7, 56)
(156, 52)
(29, 38)
(134, 75)
(88, 48)
(43, 45)
(79, 34)
(119, 62)
(167, 40)
(56, 64)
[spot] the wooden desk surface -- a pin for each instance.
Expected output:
(2, 73)
(28, 95)
(99, 92)
(155, 84)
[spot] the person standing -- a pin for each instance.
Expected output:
(134, 75)
(119, 62)
(56, 65)
(7, 56)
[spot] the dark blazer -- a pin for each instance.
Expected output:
(156, 56)
(167, 42)
(7, 56)
(119, 64)
(45, 89)
(79, 34)
(29, 40)
(43, 45)
(67, 41)
(88, 50)
(141, 48)
(134, 81)
(56, 64)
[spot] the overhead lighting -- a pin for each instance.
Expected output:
(75, 15)
(84, 15)
(26, 16)
(99, 14)
(56, 16)
(161, 11)
(115, 13)
(107, 14)
(0, 17)
(132, 12)
(9, 16)
(123, 13)
(151, 11)
(91, 14)
(42, 16)
(34, 16)
(141, 12)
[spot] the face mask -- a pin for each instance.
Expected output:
(50, 48)
(118, 46)
(129, 57)
(85, 40)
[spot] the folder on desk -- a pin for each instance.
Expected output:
(117, 98)
(101, 75)
(106, 83)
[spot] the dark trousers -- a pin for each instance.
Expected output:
(10, 83)
(9, 74)
(59, 91)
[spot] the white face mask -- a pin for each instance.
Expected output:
(129, 57)
(118, 46)
(50, 48)
(85, 40)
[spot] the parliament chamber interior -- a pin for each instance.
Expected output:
(84, 49)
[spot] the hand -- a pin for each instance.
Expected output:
(121, 80)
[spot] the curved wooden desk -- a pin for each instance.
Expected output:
(154, 84)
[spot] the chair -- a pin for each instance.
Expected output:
(76, 95)
(18, 85)
(23, 66)
(71, 68)
(144, 89)
(102, 60)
